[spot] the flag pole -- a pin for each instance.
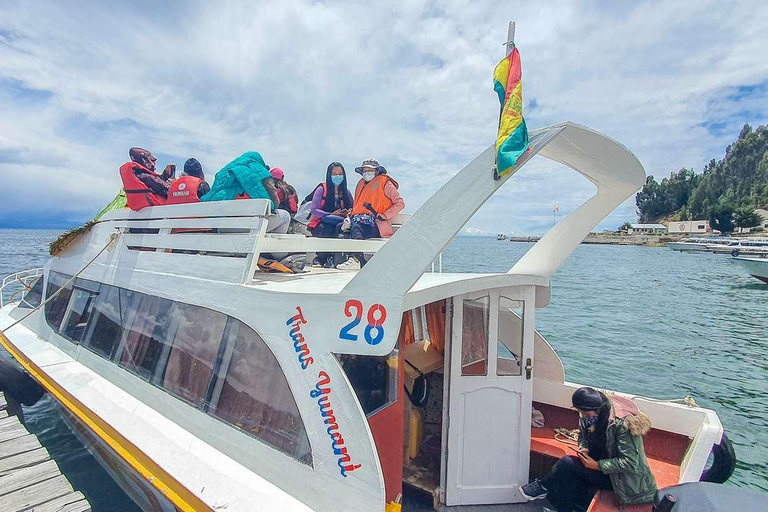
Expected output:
(510, 44)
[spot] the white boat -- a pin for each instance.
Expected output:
(697, 243)
(201, 382)
(752, 245)
(501, 236)
(757, 267)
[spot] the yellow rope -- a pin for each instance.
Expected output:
(566, 436)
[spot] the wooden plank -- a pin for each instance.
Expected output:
(25, 477)
(36, 494)
(23, 460)
(72, 502)
(3, 413)
(9, 420)
(12, 431)
(3, 402)
(312, 244)
(209, 242)
(241, 208)
(22, 444)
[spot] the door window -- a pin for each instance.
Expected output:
(474, 346)
(373, 378)
(510, 343)
(55, 309)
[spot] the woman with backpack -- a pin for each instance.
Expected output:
(331, 203)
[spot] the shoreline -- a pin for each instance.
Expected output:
(599, 239)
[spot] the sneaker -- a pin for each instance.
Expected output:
(317, 263)
(533, 490)
(350, 264)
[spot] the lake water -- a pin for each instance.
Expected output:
(641, 320)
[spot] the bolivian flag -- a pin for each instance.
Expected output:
(512, 140)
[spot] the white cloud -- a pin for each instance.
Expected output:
(306, 83)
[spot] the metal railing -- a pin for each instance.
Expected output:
(18, 284)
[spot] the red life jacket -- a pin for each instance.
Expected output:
(138, 194)
(184, 190)
(314, 221)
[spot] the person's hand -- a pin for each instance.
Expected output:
(343, 212)
(588, 461)
(169, 172)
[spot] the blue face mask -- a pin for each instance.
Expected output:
(590, 420)
(337, 180)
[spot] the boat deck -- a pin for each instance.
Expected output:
(29, 478)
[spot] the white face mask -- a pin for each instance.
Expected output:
(368, 176)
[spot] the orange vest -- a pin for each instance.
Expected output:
(137, 193)
(184, 190)
(372, 192)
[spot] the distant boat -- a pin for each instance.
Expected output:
(697, 244)
(501, 236)
(756, 267)
(752, 245)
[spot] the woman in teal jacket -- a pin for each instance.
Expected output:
(248, 177)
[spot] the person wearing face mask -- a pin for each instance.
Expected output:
(331, 202)
(142, 185)
(610, 456)
(377, 201)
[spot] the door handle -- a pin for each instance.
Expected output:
(528, 369)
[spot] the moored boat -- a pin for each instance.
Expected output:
(697, 243)
(202, 382)
(757, 267)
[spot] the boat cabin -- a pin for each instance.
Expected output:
(203, 382)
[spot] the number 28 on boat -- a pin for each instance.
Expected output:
(202, 383)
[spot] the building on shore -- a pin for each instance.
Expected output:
(647, 229)
(763, 218)
(689, 227)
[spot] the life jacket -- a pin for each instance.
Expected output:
(372, 192)
(138, 194)
(314, 221)
(184, 190)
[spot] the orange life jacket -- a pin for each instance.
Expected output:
(372, 192)
(137, 193)
(314, 221)
(184, 190)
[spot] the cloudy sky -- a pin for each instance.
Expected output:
(407, 82)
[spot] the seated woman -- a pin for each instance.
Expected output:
(377, 201)
(191, 186)
(331, 202)
(286, 194)
(248, 177)
(610, 456)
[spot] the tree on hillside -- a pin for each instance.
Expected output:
(625, 226)
(721, 218)
(746, 218)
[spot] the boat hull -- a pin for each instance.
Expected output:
(131, 482)
(756, 267)
(686, 247)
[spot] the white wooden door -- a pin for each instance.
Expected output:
(490, 392)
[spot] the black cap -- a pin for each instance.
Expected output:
(193, 168)
(587, 399)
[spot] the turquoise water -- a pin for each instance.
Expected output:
(641, 320)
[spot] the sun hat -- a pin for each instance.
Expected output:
(370, 163)
(277, 173)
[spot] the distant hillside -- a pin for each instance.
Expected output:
(726, 192)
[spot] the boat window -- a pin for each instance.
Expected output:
(252, 394)
(510, 343)
(106, 322)
(76, 319)
(193, 352)
(146, 332)
(374, 379)
(55, 309)
(474, 336)
(34, 296)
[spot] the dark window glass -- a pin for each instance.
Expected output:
(373, 378)
(146, 332)
(193, 353)
(252, 394)
(57, 307)
(105, 326)
(34, 296)
(83, 296)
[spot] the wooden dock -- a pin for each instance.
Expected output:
(30, 479)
